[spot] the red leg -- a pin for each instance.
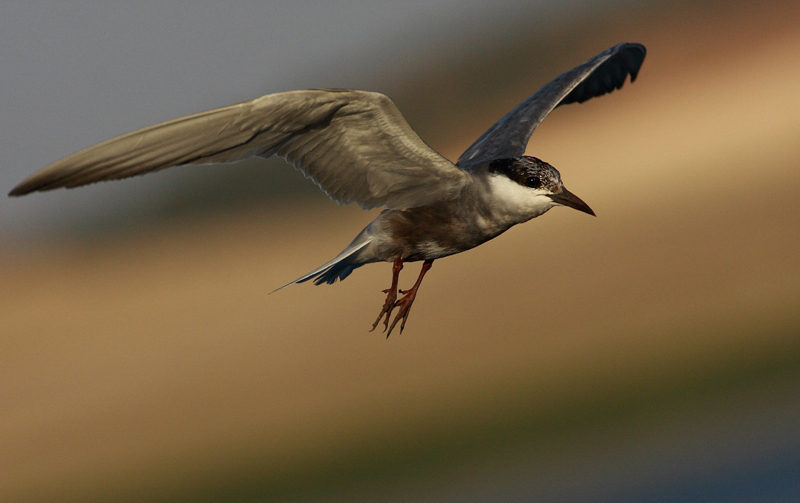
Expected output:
(391, 296)
(408, 298)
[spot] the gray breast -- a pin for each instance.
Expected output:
(441, 229)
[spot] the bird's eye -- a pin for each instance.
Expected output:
(533, 182)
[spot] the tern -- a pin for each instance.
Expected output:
(357, 147)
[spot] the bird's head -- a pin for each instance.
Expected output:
(527, 187)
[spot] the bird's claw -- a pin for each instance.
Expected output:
(388, 307)
(405, 307)
(404, 303)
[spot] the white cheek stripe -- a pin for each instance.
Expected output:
(513, 198)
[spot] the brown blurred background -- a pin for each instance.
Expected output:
(650, 354)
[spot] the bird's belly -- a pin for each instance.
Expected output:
(431, 233)
(429, 250)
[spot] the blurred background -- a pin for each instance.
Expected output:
(651, 354)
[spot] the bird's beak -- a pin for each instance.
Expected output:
(567, 198)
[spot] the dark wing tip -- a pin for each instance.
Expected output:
(633, 56)
(623, 60)
(21, 190)
(40, 182)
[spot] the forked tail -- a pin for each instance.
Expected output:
(338, 268)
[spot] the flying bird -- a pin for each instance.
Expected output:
(357, 147)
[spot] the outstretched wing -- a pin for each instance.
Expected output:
(509, 136)
(355, 145)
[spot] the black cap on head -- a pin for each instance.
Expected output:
(529, 172)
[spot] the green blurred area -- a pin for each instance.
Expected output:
(522, 429)
(651, 354)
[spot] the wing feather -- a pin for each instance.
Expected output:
(509, 136)
(355, 145)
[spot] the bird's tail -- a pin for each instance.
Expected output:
(338, 268)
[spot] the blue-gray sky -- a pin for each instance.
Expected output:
(76, 73)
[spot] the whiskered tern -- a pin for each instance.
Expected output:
(358, 148)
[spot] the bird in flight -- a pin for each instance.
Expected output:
(357, 147)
